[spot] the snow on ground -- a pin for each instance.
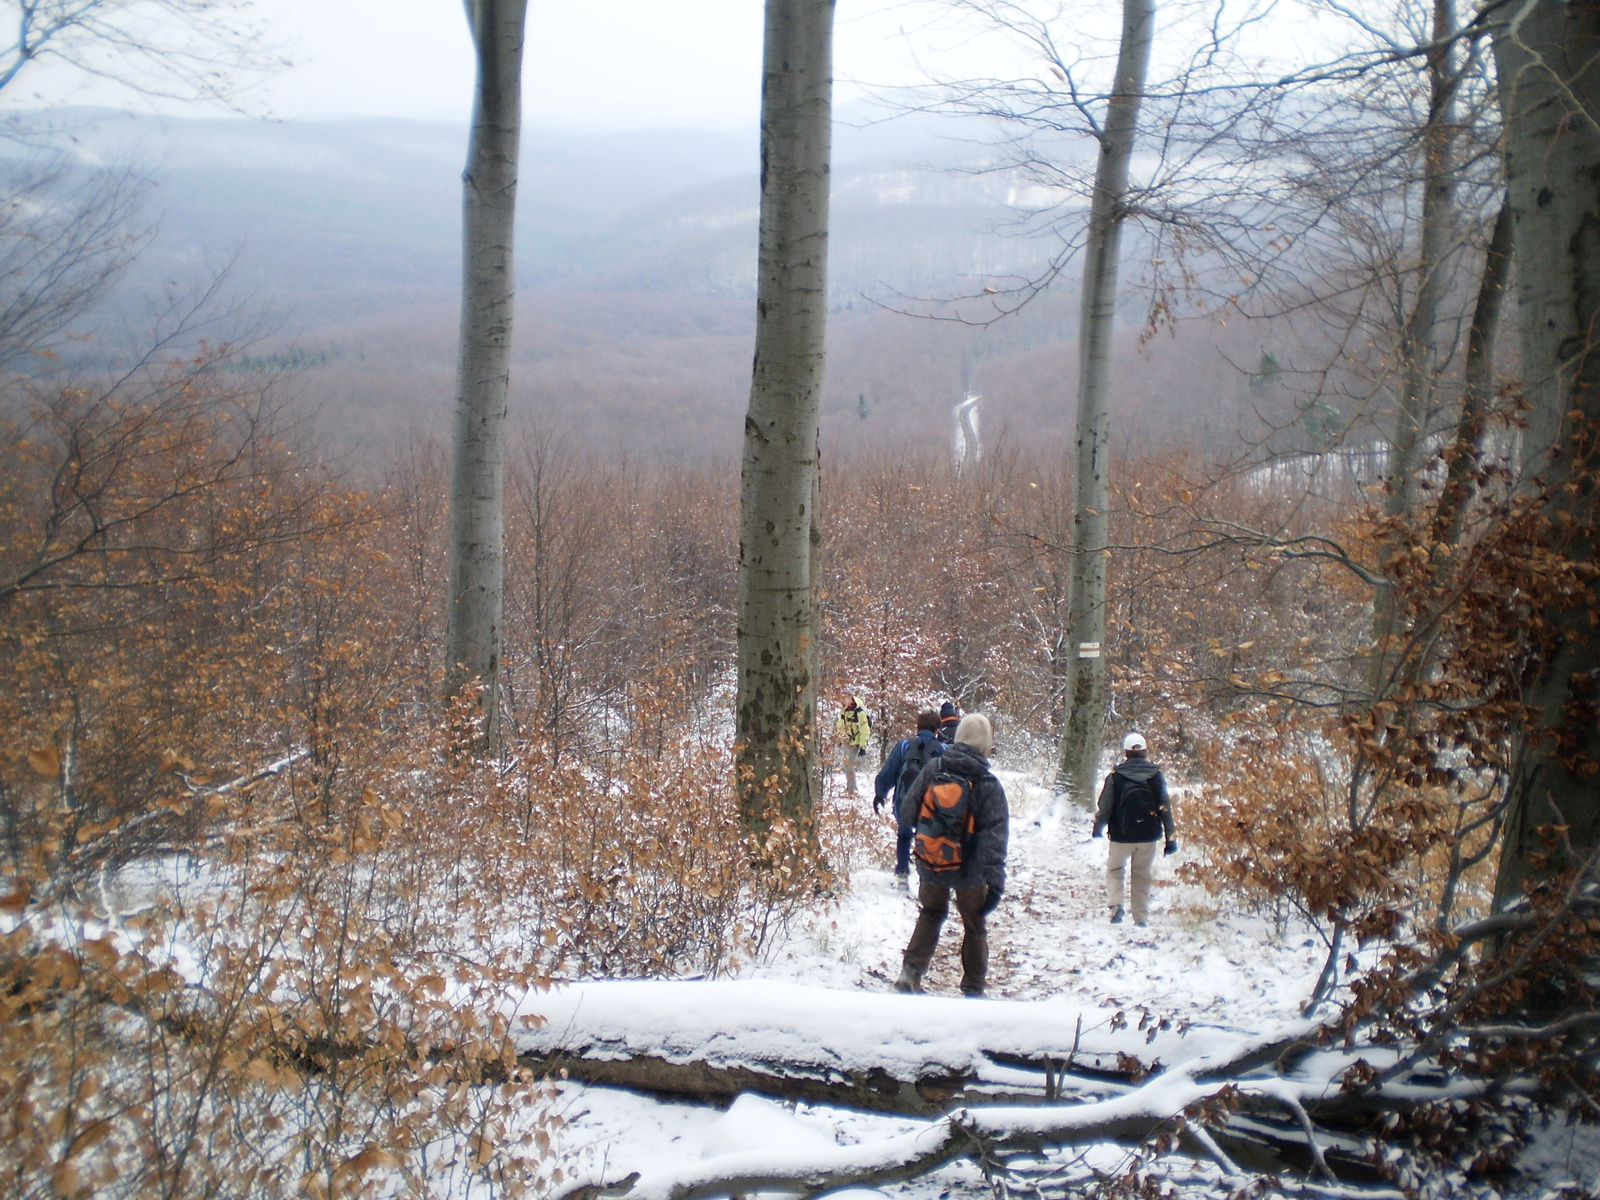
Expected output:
(1051, 937)
(1051, 941)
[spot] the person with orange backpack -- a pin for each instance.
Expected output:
(962, 824)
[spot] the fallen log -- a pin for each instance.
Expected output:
(913, 1055)
(872, 1090)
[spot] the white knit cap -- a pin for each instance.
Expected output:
(975, 731)
(1134, 741)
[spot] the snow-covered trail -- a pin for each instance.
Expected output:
(1051, 937)
(1050, 940)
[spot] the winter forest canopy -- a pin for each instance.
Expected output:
(428, 596)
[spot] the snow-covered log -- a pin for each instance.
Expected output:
(919, 1055)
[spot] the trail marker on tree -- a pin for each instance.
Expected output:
(1086, 621)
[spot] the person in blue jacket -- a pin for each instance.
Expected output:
(908, 757)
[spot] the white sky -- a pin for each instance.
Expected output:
(590, 64)
(594, 64)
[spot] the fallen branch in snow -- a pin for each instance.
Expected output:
(872, 1090)
(249, 778)
(1540, 1033)
(1178, 1102)
(999, 1078)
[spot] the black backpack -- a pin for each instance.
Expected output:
(1138, 811)
(945, 822)
(916, 756)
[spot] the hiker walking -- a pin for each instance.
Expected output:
(900, 771)
(959, 811)
(1135, 809)
(854, 728)
(949, 718)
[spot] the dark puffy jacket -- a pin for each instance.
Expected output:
(888, 779)
(1108, 815)
(984, 861)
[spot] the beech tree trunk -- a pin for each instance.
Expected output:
(483, 367)
(1477, 380)
(1548, 58)
(776, 758)
(1084, 722)
(1416, 346)
(1417, 351)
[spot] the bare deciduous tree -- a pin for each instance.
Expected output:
(777, 700)
(1086, 688)
(65, 237)
(476, 594)
(186, 49)
(1547, 53)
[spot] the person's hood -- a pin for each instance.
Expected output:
(1140, 768)
(963, 759)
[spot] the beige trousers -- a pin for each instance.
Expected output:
(848, 757)
(1135, 858)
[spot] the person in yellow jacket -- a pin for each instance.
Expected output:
(855, 731)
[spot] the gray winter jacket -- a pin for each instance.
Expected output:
(984, 860)
(1110, 814)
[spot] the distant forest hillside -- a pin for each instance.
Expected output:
(637, 256)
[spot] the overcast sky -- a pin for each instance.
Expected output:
(609, 64)
(627, 62)
(602, 64)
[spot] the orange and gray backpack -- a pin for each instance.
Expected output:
(945, 822)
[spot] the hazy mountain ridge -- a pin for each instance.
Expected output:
(629, 205)
(636, 253)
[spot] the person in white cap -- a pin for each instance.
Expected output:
(1135, 809)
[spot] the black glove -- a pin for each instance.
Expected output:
(1172, 846)
(1096, 833)
(992, 902)
(861, 753)
(877, 804)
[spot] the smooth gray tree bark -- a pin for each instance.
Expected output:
(1084, 721)
(1416, 347)
(1548, 56)
(483, 367)
(776, 759)
(1417, 343)
(1477, 381)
